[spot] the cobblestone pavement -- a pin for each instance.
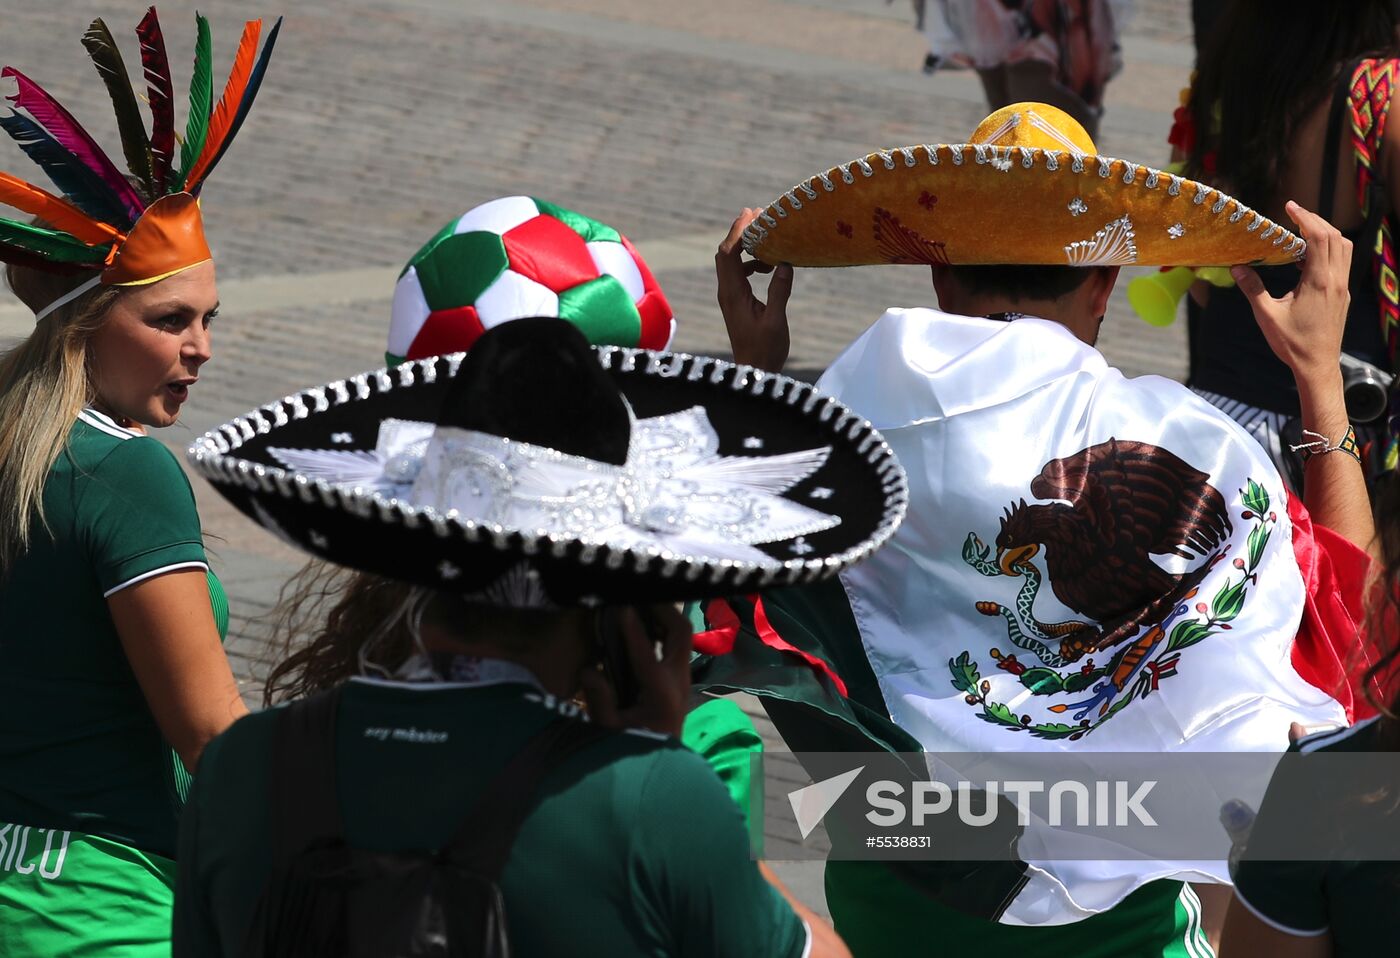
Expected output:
(381, 119)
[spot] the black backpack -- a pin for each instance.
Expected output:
(329, 900)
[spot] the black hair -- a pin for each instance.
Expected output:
(1021, 282)
(1266, 66)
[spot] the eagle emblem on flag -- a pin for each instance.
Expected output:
(1105, 511)
(1091, 563)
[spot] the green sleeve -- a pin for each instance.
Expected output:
(192, 929)
(137, 516)
(695, 882)
(1289, 896)
(719, 732)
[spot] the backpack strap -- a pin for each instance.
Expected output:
(304, 807)
(484, 839)
(1372, 84)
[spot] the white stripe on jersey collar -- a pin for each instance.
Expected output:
(106, 423)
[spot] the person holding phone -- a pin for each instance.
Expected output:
(613, 485)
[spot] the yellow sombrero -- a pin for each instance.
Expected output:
(1029, 188)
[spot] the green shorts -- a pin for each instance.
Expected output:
(66, 893)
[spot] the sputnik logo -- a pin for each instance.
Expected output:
(811, 803)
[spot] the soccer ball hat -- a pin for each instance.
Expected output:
(518, 257)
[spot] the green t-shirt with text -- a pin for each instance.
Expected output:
(79, 748)
(635, 846)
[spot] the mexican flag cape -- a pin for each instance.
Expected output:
(1089, 563)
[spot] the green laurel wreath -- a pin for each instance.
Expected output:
(1226, 606)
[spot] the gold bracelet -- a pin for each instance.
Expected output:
(1321, 445)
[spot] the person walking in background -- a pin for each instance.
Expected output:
(944, 50)
(1291, 101)
(112, 674)
(1061, 52)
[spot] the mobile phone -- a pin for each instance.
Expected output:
(612, 652)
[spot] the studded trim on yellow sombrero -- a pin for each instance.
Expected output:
(982, 203)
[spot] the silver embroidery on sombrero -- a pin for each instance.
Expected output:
(518, 587)
(675, 492)
(390, 467)
(1011, 122)
(1111, 246)
(1049, 129)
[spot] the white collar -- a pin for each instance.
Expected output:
(466, 672)
(105, 423)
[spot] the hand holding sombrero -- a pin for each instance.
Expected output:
(1029, 188)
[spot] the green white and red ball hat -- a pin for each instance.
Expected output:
(518, 257)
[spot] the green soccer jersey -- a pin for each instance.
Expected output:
(1353, 902)
(635, 847)
(79, 748)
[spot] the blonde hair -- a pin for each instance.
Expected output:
(44, 384)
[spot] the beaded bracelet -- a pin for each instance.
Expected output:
(1321, 445)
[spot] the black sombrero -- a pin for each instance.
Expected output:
(537, 470)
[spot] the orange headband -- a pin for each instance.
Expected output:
(140, 225)
(167, 239)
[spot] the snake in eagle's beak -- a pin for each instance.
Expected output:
(1009, 559)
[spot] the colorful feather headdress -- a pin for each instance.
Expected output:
(136, 227)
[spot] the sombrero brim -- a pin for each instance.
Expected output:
(974, 204)
(332, 430)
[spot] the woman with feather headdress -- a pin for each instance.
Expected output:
(112, 673)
